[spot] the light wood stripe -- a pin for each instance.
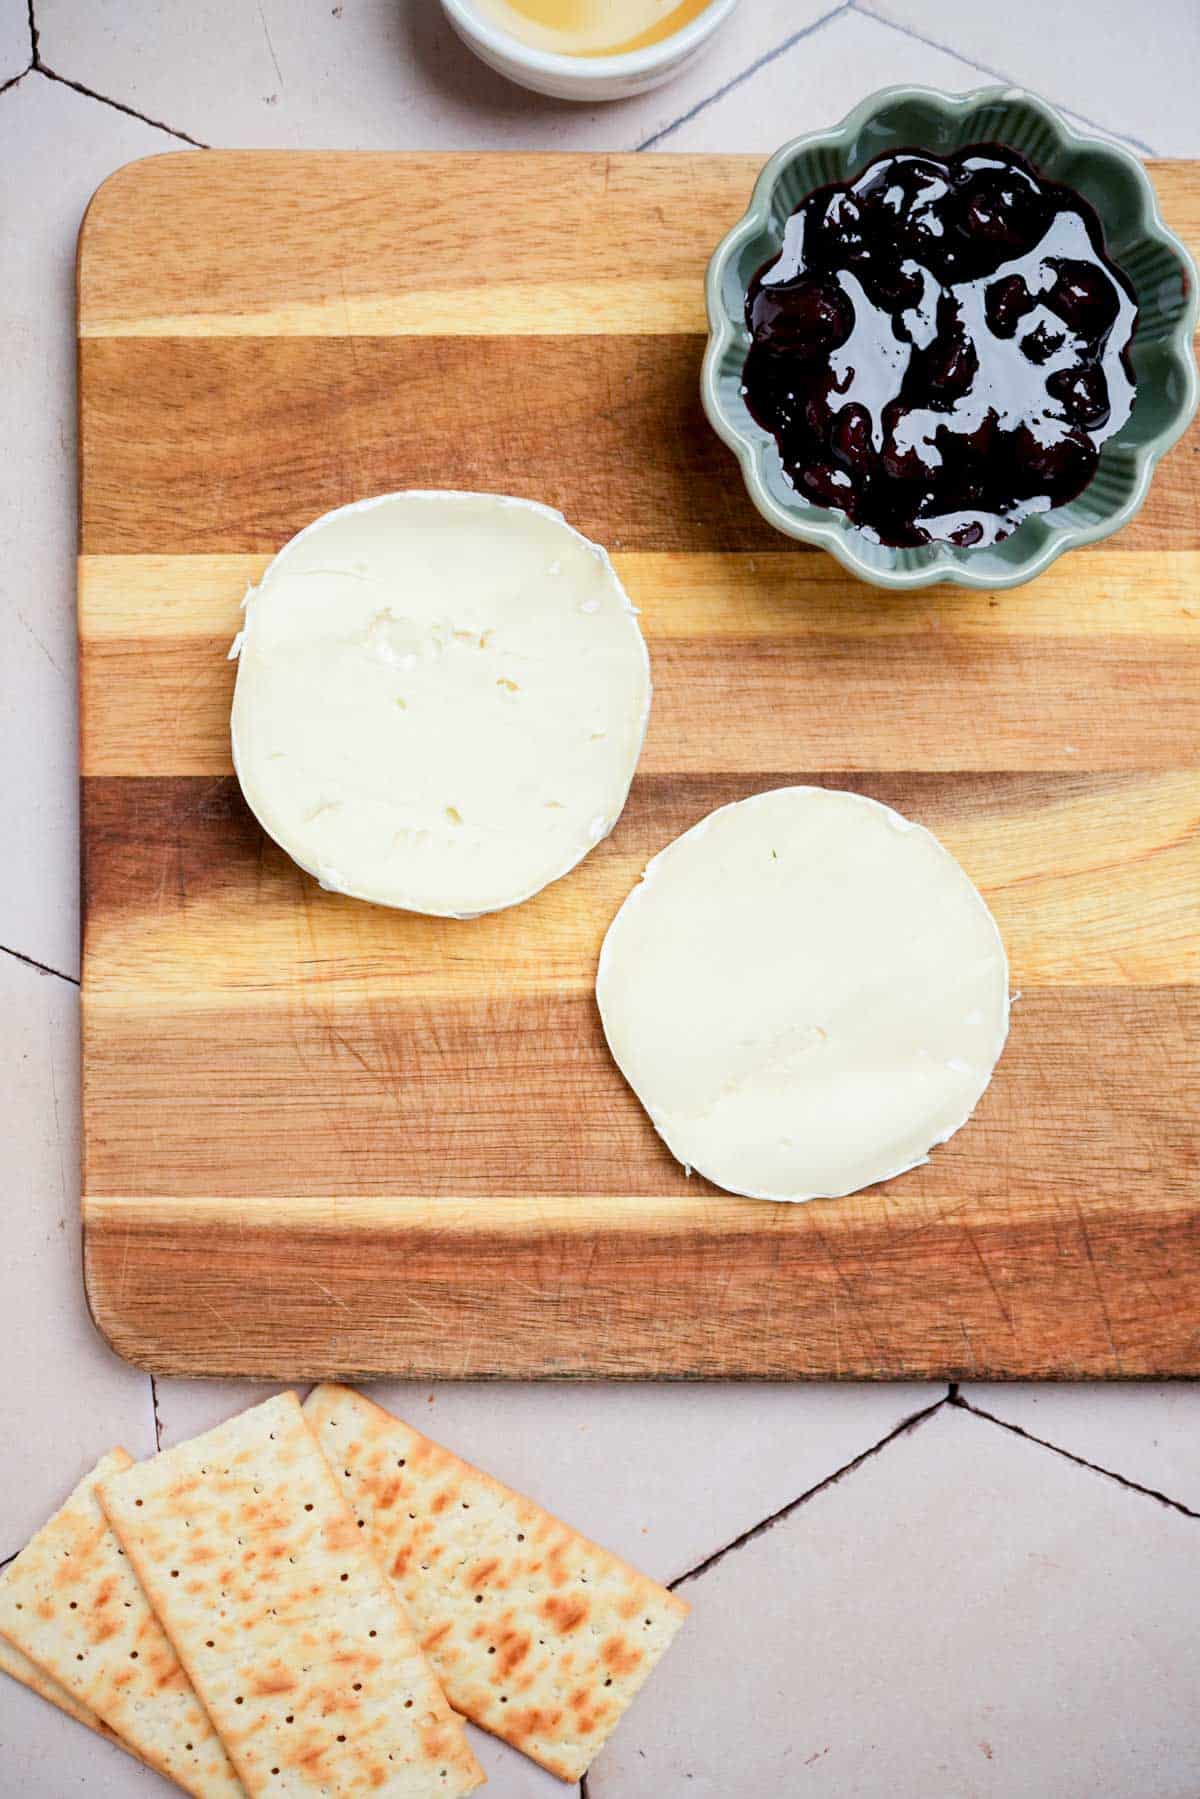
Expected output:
(634, 307)
(1092, 881)
(346, 245)
(905, 1216)
(335, 245)
(1107, 593)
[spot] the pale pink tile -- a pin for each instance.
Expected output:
(65, 1397)
(16, 50)
(373, 74)
(57, 148)
(814, 84)
(1123, 66)
(1146, 1433)
(965, 1614)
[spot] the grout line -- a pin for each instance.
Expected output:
(785, 1511)
(1122, 1480)
(270, 46)
(930, 43)
(42, 967)
(157, 1419)
(736, 80)
(117, 105)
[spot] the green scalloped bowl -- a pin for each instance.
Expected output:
(1161, 270)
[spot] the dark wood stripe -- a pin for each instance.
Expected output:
(167, 841)
(240, 442)
(330, 420)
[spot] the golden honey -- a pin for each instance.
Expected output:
(592, 27)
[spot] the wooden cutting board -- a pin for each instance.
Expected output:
(323, 1138)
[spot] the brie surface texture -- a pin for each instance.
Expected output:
(806, 992)
(441, 698)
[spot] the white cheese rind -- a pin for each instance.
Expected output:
(441, 699)
(807, 994)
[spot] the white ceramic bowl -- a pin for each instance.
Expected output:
(584, 77)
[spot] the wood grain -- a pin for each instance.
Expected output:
(341, 245)
(608, 429)
(1069, 673)
(1091, 879)
(1075, 1293)
(384, 1094)
(326, 1139)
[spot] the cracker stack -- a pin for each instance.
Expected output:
(535, 1633)
(292, 1603)
(72, 1604)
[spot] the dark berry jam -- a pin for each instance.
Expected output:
(941, 346)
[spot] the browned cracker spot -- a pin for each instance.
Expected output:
(72, 1604)
(534, 1632)
(291, 1634)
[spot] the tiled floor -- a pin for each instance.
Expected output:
(964, 1610)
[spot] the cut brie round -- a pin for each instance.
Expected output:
(440, 700)
(806, 993)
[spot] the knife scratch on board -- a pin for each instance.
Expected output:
(219, 1316)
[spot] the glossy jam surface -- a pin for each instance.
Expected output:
(941, 346)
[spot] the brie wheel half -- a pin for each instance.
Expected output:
(806, 993)
(440, 701)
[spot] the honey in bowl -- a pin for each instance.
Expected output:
(592, 27)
